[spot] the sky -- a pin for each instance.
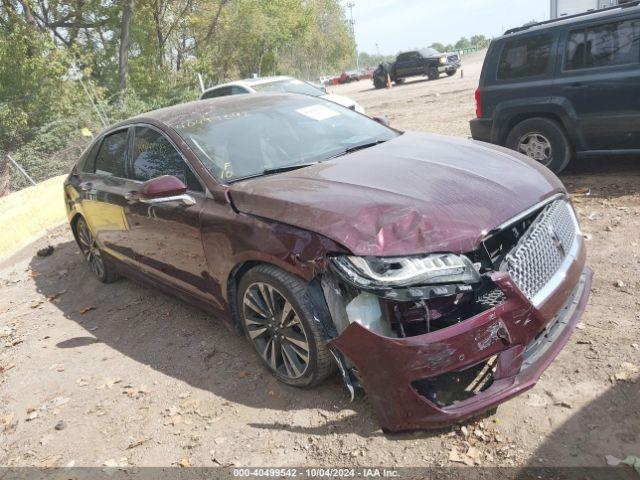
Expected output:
(397, 25)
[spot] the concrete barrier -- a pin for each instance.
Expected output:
(27, 214)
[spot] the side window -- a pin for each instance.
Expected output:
(154, 156)
(218, 92)
(604, 45)
(403, 57)
(526, 57)
(236, 90)
(111, 156)
(88, 162)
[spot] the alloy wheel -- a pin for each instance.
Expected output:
(537, 147)
(275, 329)
(90, 249)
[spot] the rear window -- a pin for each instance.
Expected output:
(525, 57)
(110, 158)
(604, 45)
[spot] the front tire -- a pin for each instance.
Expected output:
(543, 140)
(451, 73)
(276, 318)
(433, 73)
(100, 265)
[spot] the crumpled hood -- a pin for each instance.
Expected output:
(415, 194)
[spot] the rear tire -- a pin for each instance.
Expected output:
(543, 140)
(289, 344)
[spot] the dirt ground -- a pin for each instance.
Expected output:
(118, 375)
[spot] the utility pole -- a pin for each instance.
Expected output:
(378, 49)
(352, 22)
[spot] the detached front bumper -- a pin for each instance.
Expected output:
(522, 341)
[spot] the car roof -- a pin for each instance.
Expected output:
(250, 82)
(612, 12)
(185, 112)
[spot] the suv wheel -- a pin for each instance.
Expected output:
(543, 140)
(100, 265)
(433, 73)
(276, 320)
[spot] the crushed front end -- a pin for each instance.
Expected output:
(439, 338)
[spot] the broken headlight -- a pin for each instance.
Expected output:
(431, 269)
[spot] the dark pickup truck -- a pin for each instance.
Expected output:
(427, 62)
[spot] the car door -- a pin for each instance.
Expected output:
(600, 77)
(164, 237)
(102, 188)
(403, 65)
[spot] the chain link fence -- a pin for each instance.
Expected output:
(35, 162)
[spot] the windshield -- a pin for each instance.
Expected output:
(429, 52)
(289, 86)
(251, 135)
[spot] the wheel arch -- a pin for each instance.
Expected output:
(509, 114)
(73, 223)
(314, 297)
(521, 117)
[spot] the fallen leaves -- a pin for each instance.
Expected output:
(628, 373)
(52, 296)
(137, 443)
(8, 423)
(6, 368)
(470, 458)
(109, 383)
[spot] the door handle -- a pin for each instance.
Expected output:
(131, 196)
(85, 187)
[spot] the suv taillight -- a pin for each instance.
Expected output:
(478, 103)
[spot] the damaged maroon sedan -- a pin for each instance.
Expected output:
(441, 275)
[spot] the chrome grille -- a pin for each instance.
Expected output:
(542, 249)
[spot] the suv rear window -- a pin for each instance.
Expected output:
(526, 57)
(604, 45)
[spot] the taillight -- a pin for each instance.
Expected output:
(478, 103)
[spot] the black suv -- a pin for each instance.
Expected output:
(427, 61)
(564, 88)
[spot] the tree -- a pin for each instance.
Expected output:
(462, 44)
(125, 42)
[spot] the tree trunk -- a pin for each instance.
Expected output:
(157, 19)
(125, 41)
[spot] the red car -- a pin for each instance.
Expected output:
(441, 275)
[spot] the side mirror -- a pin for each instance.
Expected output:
(163, 189)
(382, 121)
